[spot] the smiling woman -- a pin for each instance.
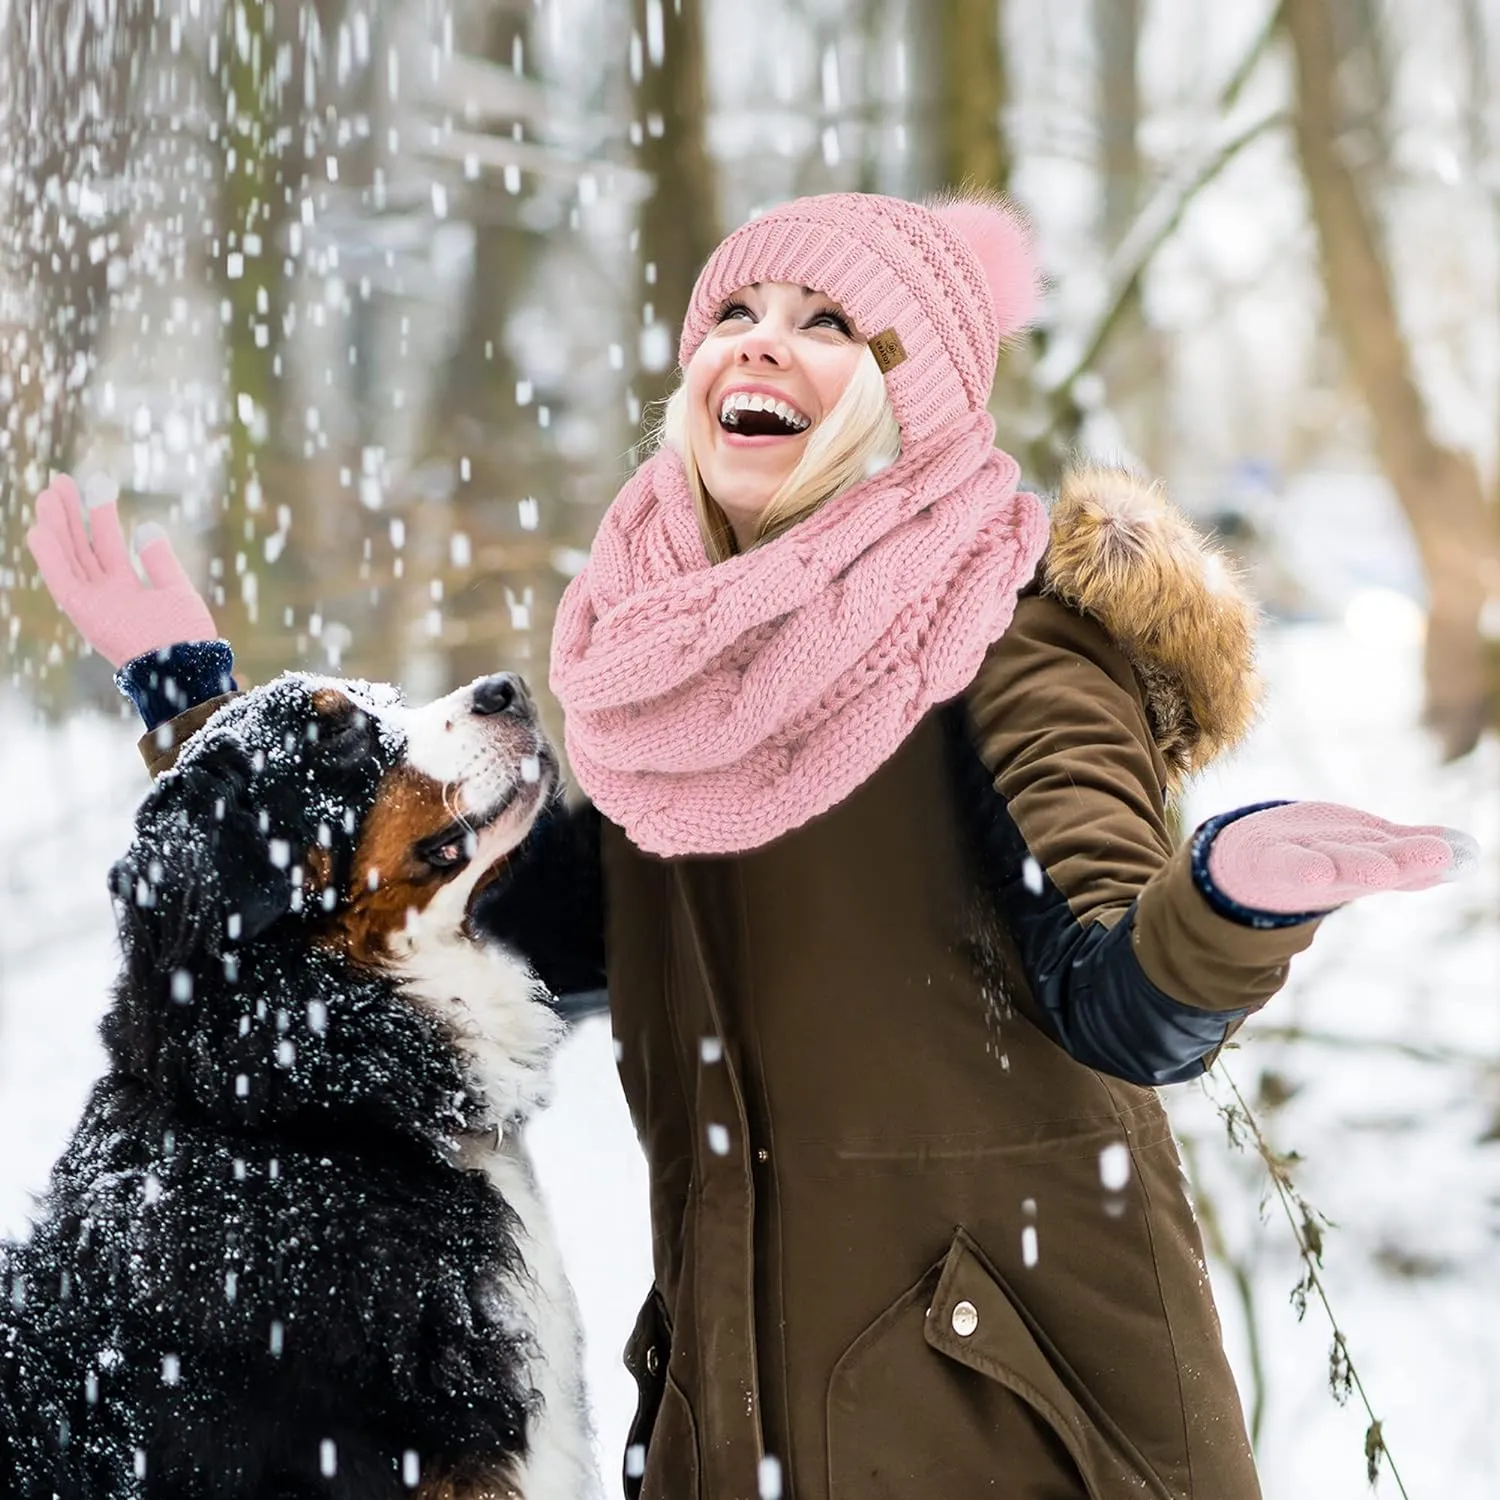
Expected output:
(781, 408)
(875, 866)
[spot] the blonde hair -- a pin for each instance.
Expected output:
(859, 437)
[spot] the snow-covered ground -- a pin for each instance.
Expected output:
(1387, 1103)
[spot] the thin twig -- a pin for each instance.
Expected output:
(1234, 85)
(1440, 1056)
(1157, 223)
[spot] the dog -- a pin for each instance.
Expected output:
(294, 1247)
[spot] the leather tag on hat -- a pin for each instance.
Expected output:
(888, 350)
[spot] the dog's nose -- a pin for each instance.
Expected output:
(502, 693)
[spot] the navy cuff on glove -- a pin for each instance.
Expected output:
(1226, 906)
(165, 683)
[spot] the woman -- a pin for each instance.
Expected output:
(895, 939)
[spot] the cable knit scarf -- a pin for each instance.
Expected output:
(712, 707)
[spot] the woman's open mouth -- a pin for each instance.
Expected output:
(753, 415)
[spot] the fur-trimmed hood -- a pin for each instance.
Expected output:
(1122, 553)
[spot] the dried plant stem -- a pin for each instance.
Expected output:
(1307, 1230)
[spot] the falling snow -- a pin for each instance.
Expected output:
(1114, 1166)
(377, 256)
(768, 1478)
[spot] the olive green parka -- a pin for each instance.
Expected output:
(920, 1227)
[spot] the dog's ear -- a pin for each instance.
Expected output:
(208, 869)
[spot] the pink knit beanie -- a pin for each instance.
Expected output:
(935, 289)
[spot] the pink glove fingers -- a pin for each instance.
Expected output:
(1426, 859)
(1312, 856)
(52, 523)
(1462, 849)
(95, 582)
(1372, 869)
(154, 548)
(53, 552)
(109, 542)
(72, 508)
(1297, 866)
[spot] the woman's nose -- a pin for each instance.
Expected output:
(762, 344)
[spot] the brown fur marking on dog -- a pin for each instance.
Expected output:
(388, 878)
(319, 865)
(468, 1484)
(1120, 552)
(327, 701)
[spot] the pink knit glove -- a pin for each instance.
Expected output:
(1312, 856)
(87, 570)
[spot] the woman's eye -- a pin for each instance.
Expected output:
(830, 319)
(733, 310)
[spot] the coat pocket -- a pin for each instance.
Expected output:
(661, 1448)
(949, 1392)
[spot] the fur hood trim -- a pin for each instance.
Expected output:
(1122, 553)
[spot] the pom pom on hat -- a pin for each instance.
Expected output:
(1001, 242)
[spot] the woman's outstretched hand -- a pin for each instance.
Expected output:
(1312, 856)
(87, 569)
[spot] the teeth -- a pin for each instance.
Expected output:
(738, 401)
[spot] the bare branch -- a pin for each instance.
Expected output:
(1234, 85)
(1440, 1056)
(1154, 226)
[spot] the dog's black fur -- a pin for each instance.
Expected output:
(259, 1270)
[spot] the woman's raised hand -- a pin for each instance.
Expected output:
(1313, 856)
(87, 569)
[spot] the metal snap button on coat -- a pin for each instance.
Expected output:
(965, 1319)
(653, 1360)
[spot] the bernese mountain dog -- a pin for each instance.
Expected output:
(295, 1247)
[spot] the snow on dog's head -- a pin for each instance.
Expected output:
(334, 804)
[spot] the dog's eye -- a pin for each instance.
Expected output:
(447, 856)
(448, 849)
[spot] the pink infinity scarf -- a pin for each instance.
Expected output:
(712, 707)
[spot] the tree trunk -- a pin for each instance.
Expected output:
(1439, 489)
(1134, 367)
(1365, 74)
(966, 94)
(260, 578)
(971, 123)
(482, 444)
(1483, 144)
(68, 80)
(679, 222)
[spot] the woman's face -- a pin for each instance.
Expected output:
(768, 373)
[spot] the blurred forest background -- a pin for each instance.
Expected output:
(367, 301)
